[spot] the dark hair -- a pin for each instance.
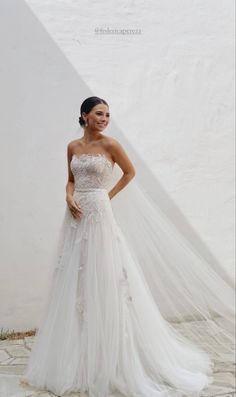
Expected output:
(88, 105)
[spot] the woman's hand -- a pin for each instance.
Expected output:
(74, 207)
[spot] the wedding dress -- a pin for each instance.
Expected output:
(102, 330)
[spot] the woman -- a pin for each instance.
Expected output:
(102, 330)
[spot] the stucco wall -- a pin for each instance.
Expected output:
(170, 90)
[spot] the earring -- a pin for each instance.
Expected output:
(86, 124)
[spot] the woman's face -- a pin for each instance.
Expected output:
(98, 117)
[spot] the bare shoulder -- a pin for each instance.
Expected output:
(73, 144)
(120, 156)
(113, 144)
(107, 143)
(111, 140)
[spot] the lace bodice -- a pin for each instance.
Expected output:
(91, 170)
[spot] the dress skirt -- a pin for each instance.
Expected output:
(102, 331)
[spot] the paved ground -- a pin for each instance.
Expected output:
(14, 355)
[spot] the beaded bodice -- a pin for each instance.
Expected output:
(91, 170)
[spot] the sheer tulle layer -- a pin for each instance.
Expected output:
(102, 330)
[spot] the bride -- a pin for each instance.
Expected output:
(132, 304)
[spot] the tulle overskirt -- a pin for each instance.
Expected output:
(101, 330)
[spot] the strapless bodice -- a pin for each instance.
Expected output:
(91, 171)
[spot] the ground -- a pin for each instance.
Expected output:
(14, 354)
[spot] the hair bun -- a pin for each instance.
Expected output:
(81, 120)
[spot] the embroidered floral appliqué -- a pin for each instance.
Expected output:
(125, 284)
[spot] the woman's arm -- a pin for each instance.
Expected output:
(70, 187)
(71, 183)
(121, 158)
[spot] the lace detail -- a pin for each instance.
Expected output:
(125, 284)
(92, 173)
(94, 204)
(91, 170)
(80, 305)
(81, 267)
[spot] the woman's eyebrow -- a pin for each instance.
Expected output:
(99, 111)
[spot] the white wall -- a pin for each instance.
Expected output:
(170, 90)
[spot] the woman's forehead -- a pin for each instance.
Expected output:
(101, 106)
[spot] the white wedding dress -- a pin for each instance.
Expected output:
(102, 331)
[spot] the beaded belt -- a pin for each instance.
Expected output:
(91, 189)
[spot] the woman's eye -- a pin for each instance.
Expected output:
(100, 114)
